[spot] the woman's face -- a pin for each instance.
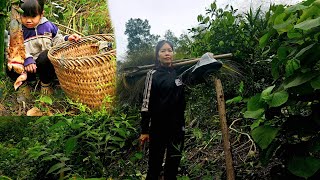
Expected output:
(165, 55)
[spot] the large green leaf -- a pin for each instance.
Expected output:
(264, 135)
(279, 98)
(304, 166)
(315, 83)
(254, 114)
(298, 79)
(308, 24)
(283, 26)
(255, 103)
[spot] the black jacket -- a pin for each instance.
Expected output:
(163, 101)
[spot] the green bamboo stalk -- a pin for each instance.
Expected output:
(3, 7)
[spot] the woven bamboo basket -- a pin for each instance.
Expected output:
(86, 72)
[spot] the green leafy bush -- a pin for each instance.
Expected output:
(287, 112)
(85, 146)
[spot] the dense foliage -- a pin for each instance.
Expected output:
(80, 16)
(272, 107)
(287, 112)
(67, 147)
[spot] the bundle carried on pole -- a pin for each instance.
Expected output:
(139, 70)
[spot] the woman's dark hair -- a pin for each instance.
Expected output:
(158, 47)
(32, 7)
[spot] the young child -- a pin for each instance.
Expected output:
(39, 36)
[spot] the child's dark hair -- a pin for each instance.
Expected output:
(32, 7)
(158, 47)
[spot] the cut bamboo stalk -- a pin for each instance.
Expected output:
(16, 53)
(224, 129)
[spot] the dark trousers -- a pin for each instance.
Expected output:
(45, 70)
(159, 142)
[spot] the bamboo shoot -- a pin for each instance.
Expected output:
(16, 52)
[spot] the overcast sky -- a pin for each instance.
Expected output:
(176, 15)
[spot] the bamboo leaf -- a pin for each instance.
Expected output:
(41, 119)
(59, 124)
(64, 170)
(56, 167)
(120, 131)
(115, 138)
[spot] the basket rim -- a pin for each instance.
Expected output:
(86, 39)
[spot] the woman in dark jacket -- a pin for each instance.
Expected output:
(162, 113)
